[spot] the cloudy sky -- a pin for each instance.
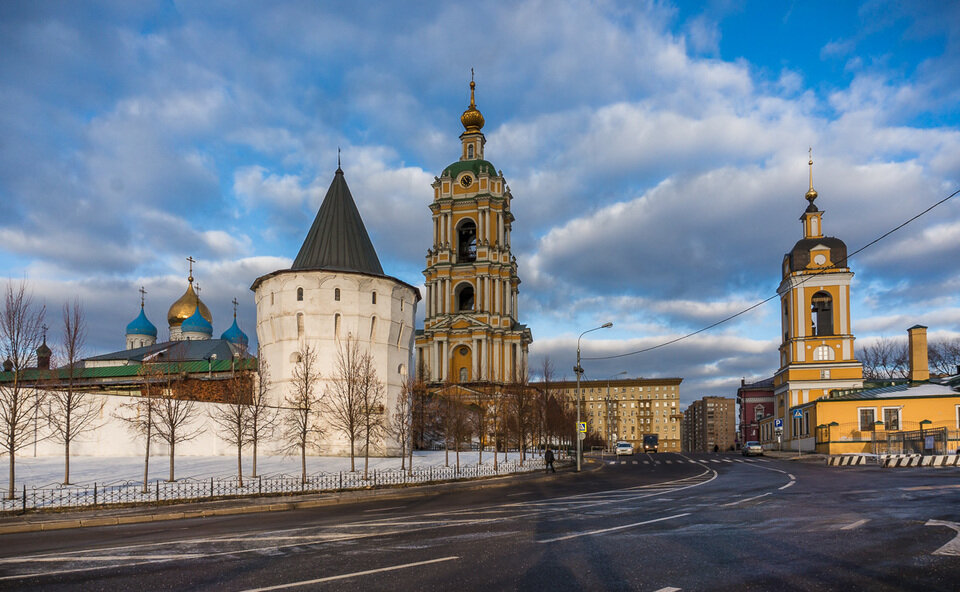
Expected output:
(657, 156)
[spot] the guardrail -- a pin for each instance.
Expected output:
(158, 491)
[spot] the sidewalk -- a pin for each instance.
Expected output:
(792, 455)
(82, 518)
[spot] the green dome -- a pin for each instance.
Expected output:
(475, 166)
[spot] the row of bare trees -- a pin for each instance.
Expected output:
(513, 415)
(889, 358)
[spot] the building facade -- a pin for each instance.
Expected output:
(710, 424)
(471, 332)
(626, 409)
(755, 401)
(817, 346)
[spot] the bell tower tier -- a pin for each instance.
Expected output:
(471, 331)
(817, 348)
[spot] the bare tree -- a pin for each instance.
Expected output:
(458, 421)
(21, 329)
(175, 411)
(71, 412)
(344, 399)
(944, 356)
(299, 425)
(263, 416)
(544, 394)
(885, 359)
(481, 412)
(373, 423)
(402, 418)
(522, 402)
(232, 416)
(140, 415)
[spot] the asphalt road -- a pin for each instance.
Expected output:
(649, 522)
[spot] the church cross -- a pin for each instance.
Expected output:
(235, 304)
(192, 261)
(143, 294)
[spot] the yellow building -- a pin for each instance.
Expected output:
(624, 410)
(817, 347)
(471, 332)
(901, 416)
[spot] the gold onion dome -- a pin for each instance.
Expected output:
(185, 306)
(472, 119)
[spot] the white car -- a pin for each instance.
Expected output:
(624, 448)
(752, 448)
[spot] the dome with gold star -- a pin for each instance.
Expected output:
(185, 306)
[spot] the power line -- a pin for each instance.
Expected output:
(762, 302)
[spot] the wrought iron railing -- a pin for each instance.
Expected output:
(157, 491)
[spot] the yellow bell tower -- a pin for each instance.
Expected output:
(816, 352)
(471, 333)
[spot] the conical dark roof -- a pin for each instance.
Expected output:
(338, 239)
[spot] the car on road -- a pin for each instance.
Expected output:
(752, 448)
(624, 448)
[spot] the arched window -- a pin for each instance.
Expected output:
(467, 241)
(373, 298)
(821, 314)
(299, 325)
(336, 326)
(758, 412)
(295, 357)
(400, 335)
(299, 294)
(469, 150)
(465, 297)
(373, 327)
(824, 353)
(336, 294)
(463, 374)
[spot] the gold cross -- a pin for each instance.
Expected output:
(143, 293)
(192, 261)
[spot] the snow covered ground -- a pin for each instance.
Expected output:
(48, 471)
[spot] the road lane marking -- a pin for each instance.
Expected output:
(612, 529)
(855, 524)
(522, 493)
(787, 485)
(926, 487)
(953, 545)
(351, 575)
(746, 500)
(668, 589)
(383, 509)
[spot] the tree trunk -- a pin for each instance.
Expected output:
(366, 454)
(303, 463)
(239, 465)
(171, 479)
(254, 474)
(403, 454)
(10, 453)
(146, 458)
(353, 468)
(410, 452)
(66, 461)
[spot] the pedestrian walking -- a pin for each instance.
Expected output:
(548, 458)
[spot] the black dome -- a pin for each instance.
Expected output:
(799, 256)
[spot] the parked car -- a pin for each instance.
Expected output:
(752, 448)
(624, 448)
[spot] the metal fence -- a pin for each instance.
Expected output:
(929, 441)
(159, 491)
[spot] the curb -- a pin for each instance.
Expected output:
(273, 506)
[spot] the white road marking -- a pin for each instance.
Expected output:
(614, 528)
(61, 558)
(634, 462)
(855, 524)
(668, 589)
(953, 545)
(787, 485)
(791, 476)
(384, 509)
(523, 493)
(746, 500)
(351, 575)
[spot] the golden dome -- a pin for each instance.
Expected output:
(185, 306)
(472, 119)
(811, 193)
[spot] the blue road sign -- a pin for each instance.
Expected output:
(778, 423)
(797, 413)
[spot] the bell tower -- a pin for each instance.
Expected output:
(471, 330)
(816, 352)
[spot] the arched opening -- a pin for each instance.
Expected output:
(469, 150)
(373, 298)
(464, 297)
(821, 314)
(336, 326)
(299, 294)
(824, 353)
(299, 325)
(467, 242)
(373, 327)
(336, 294)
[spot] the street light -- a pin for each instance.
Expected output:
(579, 370)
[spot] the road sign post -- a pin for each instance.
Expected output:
(797, 414)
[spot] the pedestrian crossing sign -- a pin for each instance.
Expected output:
(582, 427)
(797, 413)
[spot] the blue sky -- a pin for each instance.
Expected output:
(656, 153)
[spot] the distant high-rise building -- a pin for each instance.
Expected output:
(708, 423)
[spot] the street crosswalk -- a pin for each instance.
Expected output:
(703, 461)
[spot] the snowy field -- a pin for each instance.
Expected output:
(120, 479)
(48, 471)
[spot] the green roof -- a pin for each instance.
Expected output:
(476, 166)
(130, 370)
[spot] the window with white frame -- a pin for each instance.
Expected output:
(758, 412)
(867, 417)
(891, 418)
(824, 353)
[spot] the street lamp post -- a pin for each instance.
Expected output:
(579, 370)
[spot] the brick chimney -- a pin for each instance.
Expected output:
(919, 368)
